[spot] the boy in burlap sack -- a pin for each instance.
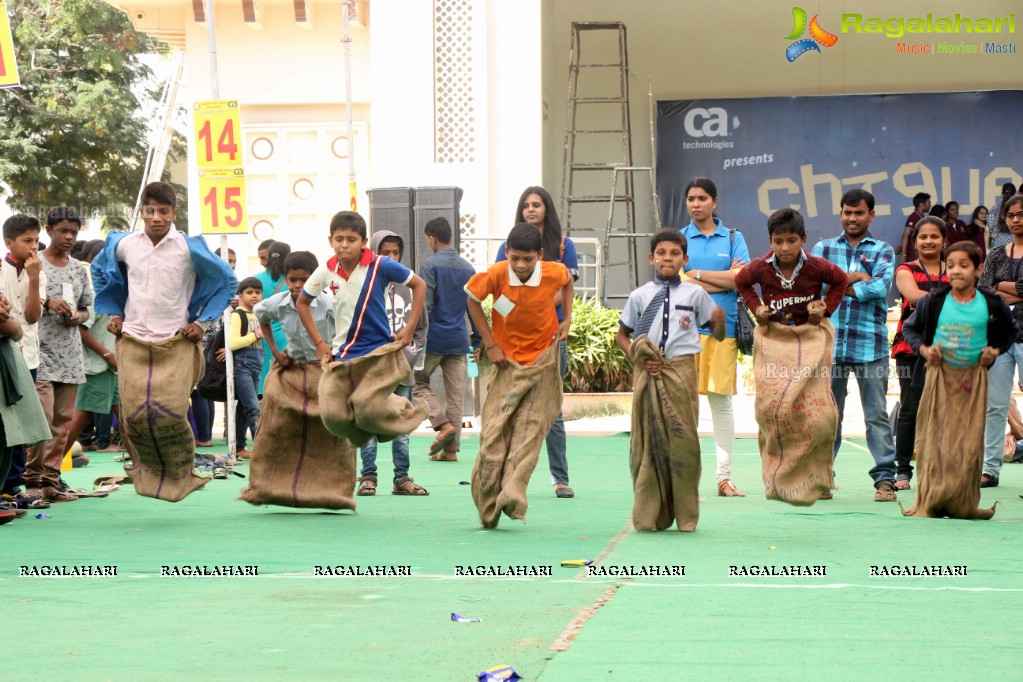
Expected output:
(161, 289)
(664, 316)
(296, 462)
(792, 349)
(357, 395)
(525, 396)
(958, 331)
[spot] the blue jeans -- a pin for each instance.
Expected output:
(999, 393)
(248, 364)
(872, 378)
(203, 411)
(557, 447)
(399, 449)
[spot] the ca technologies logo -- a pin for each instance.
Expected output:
(817, 36)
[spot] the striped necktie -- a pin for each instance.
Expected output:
(659, 305)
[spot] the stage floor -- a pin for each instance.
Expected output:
(288, 624)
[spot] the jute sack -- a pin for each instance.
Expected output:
(950, 443)
(155, 381)
(521, 406)
(664, 453)
(295, 461)
(358, 402)
(795, 409)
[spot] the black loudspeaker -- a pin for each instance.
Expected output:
(430, 203)
(390, 208)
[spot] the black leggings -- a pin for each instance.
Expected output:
(905, 427)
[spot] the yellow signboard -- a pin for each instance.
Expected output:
(8, 65)
(222, 195)
(217, 133)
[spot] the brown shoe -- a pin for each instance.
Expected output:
(243, 454)
(727, 489)
(885, 492)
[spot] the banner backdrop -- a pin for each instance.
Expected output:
(805, 152)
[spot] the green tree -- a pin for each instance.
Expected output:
(74, 133)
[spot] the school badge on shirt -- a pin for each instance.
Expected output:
(685, 322)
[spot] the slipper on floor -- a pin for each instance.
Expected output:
(441, 444)
(444, 457)
(112, 479)
(85, 492)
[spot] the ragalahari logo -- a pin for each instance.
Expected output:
(818, 36)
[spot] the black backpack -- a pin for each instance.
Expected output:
(213, 385)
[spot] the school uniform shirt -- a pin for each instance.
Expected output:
(60, 347)
(523, 317)
(97, 326)
(569, 258)
(14, 281)
(161, 279)
(689, 308)
(715, 252)
(359, 311)
(788, 300)
(446, 274)
(861, 331)
(281, 308)
(234, 334)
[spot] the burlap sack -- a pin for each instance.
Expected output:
(155, 381)
(521, 406)
(795, 409)
(358, 402)
(664, 453)
(950, 443)
(295, 461)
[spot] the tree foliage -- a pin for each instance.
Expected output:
(73, 134)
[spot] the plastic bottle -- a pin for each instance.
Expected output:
(471, 368)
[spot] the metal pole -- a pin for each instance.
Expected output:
(347, 42)
(232, 444)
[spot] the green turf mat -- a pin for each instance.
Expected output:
(288, 624)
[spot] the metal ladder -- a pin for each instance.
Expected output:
(610, 129)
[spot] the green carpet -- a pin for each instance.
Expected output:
(288, 624)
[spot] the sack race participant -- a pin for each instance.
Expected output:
(154, 412)
(521, 406)
(958, 331)
(796, 413)
(357, 387)
(792, 349)
(160, 287)
(296, 462)
(524, 398)
(664, 317)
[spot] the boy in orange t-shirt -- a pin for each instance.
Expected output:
(525, 329)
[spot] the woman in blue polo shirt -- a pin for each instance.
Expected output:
(536, 207)
(715, 255)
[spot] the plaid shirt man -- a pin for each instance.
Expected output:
(861, 334)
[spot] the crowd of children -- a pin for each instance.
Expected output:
(339, 356)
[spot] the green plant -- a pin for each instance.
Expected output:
(595, 362)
